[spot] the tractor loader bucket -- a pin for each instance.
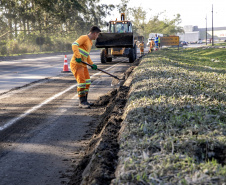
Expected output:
(115, 40)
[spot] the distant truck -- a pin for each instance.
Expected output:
(152, 35)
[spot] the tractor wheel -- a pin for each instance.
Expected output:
(109, 59)
(135, 50)
(103, 57)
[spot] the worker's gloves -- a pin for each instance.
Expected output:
(78, 60)
(94, 67)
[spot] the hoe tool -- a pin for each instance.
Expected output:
(115, 79)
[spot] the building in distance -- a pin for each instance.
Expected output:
(193, 34)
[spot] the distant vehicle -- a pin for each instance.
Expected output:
(183, 43)
(208, 40)
(193, 42)
(152, 35)
(149, 40)
(199, 42)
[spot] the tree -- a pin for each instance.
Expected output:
(123, 8)
(166, 26)
(8, 8)
(56, 20)
(154, 25)
(139, 16)
(58, 15)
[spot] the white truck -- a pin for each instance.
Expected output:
(152, 35)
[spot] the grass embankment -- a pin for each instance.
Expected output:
(175, 120)
(220, 44)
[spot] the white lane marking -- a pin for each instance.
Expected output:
(13, 121)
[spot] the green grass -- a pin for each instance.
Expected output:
(220, 44)
(175, 119)
(202, 57)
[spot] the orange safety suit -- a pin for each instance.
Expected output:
(141, 45)
(152, 45)
(81, 49)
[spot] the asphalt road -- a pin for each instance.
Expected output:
(17, 73)
(43, 133)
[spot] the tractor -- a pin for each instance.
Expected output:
(118, 42)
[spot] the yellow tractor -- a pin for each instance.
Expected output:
(118, 42)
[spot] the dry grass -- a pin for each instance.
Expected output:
(175, 122)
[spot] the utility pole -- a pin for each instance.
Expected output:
(206, 29)
(212, 27)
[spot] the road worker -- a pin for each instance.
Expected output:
(156, 42)
(159, 42)
(81, 49)
(141, 46)
(152, 45)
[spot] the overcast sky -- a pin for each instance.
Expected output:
(193, 12)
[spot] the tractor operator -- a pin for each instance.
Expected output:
(121, 30)
(81, 49)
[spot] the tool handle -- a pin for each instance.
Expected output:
(101, 70)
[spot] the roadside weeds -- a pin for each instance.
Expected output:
(174, 124)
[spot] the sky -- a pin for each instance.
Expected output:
(193, 12)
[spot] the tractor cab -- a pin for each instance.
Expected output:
(120, 27)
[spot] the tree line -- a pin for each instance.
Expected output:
(59, 22)
(25, 20)
(51, 15)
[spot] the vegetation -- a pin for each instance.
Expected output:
(58, 23)
(24, 23)
(175, 120)
(154, 25)
(220, 44)
(203, 57)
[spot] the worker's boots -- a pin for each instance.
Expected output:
(90, 104)
(83, 103)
